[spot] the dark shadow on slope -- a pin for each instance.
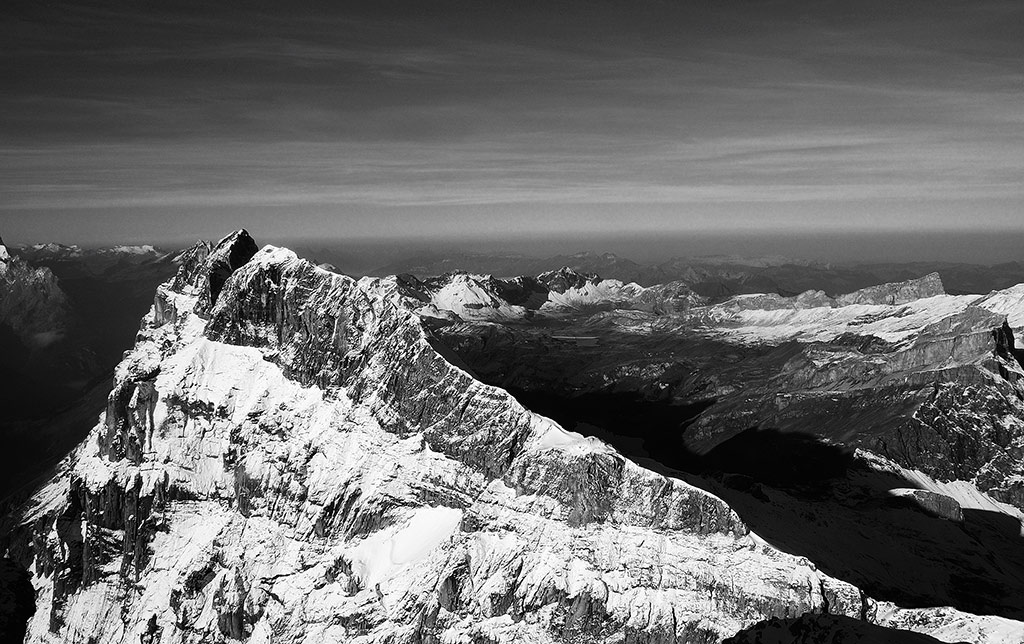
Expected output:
(815, 499)
(33, 447)
(109, 313)
(49, 409)
(17, 601)
(985, 522)
(816, 629)
(641, 429)
(779, 459)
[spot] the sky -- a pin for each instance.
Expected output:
(167, 121)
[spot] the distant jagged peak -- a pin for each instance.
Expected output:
(751, 261)
(409, 286)
(589, 254)
(14, 267)
(49, 250)
(483, 297)
(460, 276)
(889, 294)
(602, 263)
(893, 293)
(566, 278)
(582, 255)
(132, 249)
(451, 275)
(76, 261)
(409, 280)
(457, 279)
(54, 247)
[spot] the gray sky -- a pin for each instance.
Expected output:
(167, 121)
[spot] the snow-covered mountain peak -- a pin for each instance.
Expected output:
(55, 248)
(302, 451)
(289, 454)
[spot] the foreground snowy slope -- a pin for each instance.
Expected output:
(288, 456)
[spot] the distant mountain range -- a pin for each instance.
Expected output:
(721, 276)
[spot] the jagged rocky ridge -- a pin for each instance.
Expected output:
(294, 457)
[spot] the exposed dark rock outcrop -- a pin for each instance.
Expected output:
(565, 278)
(223, 259)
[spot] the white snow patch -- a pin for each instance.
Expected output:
(556, 438)
(144, 249)
(468, 297)
(892, 323)
(590, 294)
(384, 553)
(1008, 302)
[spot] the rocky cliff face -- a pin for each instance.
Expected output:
(896, 292)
